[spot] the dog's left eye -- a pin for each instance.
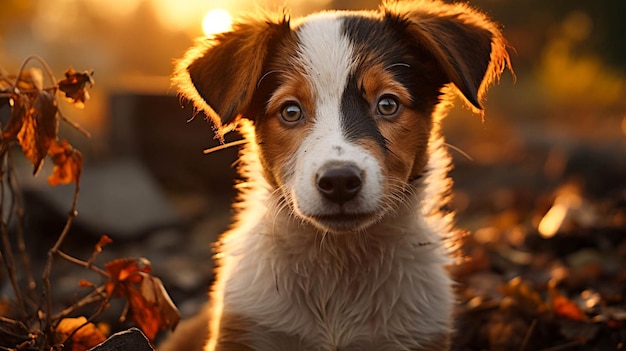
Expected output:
(291, 112)
(387, 105)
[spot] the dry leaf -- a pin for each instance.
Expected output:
(31, 78)
(163, 311)
(83, 339)
(20, 104)
(74, 86)
(564, 307)
(68, 163)
(149, 305)
(104, 241)
(39, 127)
(525, 296)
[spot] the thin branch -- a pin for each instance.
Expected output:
(96, 314)
(54, 251)
(75, 125)
(529, 333)
(82, 263)
(18, 205)
(95, 296)
(43, 63)
(6, 243)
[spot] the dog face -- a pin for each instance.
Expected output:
(343, 102)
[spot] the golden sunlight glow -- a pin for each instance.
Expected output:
(552, 221)
(216, 21)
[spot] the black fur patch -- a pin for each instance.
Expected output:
(385, 41)
(357, 121)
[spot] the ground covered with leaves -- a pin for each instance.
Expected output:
(525, 291)
(544, 261)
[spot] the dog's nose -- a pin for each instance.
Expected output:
(339, 183)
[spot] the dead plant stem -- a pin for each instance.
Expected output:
(82, 263)
(18, 209)
(54, 251)
(97, 295)
(6, 242)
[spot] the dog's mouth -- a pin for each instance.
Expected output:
(343, 222)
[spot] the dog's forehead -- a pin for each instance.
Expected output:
(330, 51)
(325, 52)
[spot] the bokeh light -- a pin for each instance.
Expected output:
(216, 21)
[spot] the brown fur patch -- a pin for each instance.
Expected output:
(280, 141)
(406, 134)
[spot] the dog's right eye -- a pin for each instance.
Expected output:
(387, 106)
(291, 112)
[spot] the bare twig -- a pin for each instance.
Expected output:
(54, 251)
(75, 125)
(97, 295)
(9, 259)
(529, 333)
(95, 315)
(18, 208)
(43, 63)
(82, 263)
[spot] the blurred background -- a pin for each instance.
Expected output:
(549, 161)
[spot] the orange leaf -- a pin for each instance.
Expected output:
(564, 307)
(74, 86)
(104, 241)
(149, 304)
(39, 127)
(524, 295)
(163, 308)
(20, 105)
(68, 163)
(85, 284)
(123, 273)
(82, 339)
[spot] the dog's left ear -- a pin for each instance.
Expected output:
(220, 74)
(468, 46)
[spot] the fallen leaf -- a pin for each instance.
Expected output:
(524, 296)
(564, 307)
(74, 86)
(84, 335)
(68, 163)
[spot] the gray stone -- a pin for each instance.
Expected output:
(119, 198)
(131, 339)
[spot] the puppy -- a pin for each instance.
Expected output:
(340, 240)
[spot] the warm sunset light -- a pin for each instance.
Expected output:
(216, 21)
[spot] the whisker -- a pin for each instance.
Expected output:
(458, 149)
(224, 146)
(258, 84)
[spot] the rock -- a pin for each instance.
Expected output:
(131, 339)
(118, 198)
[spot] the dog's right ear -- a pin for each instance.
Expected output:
(220, 74)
